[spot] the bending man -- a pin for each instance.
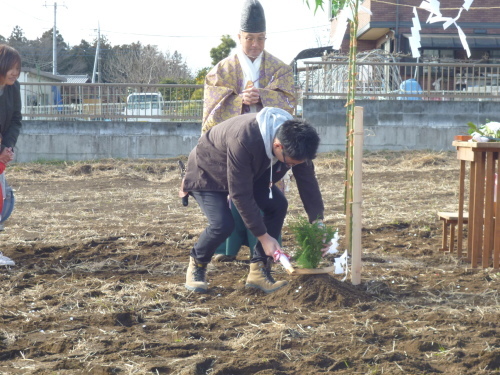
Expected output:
(244, 83)
(244, 157)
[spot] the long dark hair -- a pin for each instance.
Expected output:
(9, 59)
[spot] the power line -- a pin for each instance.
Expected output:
(206, 36)
(28, 14)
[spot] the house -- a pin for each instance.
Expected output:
(389, 28)
(73, 94)
(33, 94)
(44, 93)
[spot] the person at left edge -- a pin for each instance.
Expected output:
(10, 96)
(10, 110)
(243, 157)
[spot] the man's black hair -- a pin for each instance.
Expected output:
(299, 139)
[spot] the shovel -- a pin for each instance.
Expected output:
(184, 196)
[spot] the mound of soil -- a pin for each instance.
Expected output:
(319, 291)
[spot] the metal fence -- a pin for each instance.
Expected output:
(318, 80)
(402, 81)
(118, 102)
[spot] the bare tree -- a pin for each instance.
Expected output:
(136, 63)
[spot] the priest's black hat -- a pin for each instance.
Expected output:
(253, 19)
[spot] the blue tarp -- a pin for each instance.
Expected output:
(56, 93)
(410, 86)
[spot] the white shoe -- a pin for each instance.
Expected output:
(5, 261)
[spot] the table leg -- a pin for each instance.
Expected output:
(472, 189)
(478, 197)
(452, 236)
(461, 194)
(496, 248)
(488, 210)
(444, 241)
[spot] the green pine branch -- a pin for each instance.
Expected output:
(310, 238)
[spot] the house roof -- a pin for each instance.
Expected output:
(40, 73)
(313, 52)
(74, 78)
(77, 78)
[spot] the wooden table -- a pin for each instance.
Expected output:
(483, 240)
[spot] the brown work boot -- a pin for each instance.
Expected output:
(260, 278)
(196, 276)
(219, 258)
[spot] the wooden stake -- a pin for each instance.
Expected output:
(357, 197)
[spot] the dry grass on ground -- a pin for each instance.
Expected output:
(101, 249)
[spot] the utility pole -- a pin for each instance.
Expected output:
(54, 41)
(97, 60)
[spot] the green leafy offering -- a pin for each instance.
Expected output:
(491, 129)
(311, 238)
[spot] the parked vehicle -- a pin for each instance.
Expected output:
(147, 106)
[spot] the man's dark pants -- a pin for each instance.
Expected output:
(221, 224)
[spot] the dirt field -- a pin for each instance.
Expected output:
(102, 249)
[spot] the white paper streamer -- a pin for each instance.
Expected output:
(467, 4)
(333, 249)
(415, 45)
(341, 265)
(415, 35)
(416, 21)
(343, 18)
(433, 7)
(463, 39)
(340, 30)
(348, 11)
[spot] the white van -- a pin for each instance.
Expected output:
(144, 105)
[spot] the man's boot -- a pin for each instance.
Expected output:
(196, 276)
(219, 258)
(260, 278)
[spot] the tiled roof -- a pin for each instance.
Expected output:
(84, 78)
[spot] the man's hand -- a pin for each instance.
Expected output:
(250, 96)
(7, 155)
(325, 248)
(269, 244)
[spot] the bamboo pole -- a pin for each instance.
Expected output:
(356, 264)
(351, 99)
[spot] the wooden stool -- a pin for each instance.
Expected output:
(450, 219)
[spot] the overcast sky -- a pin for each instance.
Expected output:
(191, 27)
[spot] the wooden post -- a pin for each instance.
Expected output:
(496, 246)
(461, 209)
(488, 210)
(479, 190)
(357, 197)
(472, 193)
